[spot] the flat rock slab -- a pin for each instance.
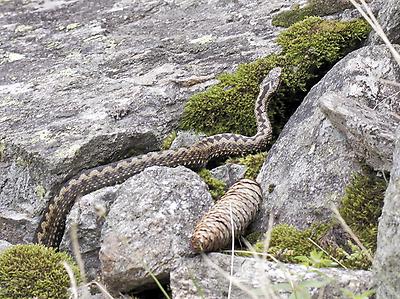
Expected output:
(208, 277)
(149, 226)
(86, 83)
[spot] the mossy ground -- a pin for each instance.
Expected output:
(309, 49)
(34, 271)
(317, 8)
(361, 207)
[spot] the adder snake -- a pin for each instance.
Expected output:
(52, 224)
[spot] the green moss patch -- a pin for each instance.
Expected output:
(309, 49)
(316, 8)
(362, 206)
(167, 142)
(252, 162)
(217, 187)
(34, 271)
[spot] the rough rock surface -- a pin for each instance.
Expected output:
(389, 19)
(4, 245)
(369, 130)
(196, 278)
(150, 224)
(85, 83)
(387, 259)
(311, 162)
(186, 139)
(229, 173)
(88, 215)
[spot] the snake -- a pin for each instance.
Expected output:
(53, 220)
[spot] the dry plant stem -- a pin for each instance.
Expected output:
(320, 248)
(235, 281)
(74, 288)
(268, 234)
(266, 288)
(233, 250)
(350, 232)
(77, 252)
(366, 12)
(102, 289)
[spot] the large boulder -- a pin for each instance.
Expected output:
(387, 259)
(149, 226)
(318, 150)
(86, 83)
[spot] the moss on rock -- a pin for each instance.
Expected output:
(362, 206)
(217, 187)
(252, 162)
(167, 142)
(309, 49)
(316, 8)
(34, 271)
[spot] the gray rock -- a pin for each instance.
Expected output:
(3, 245)
(89, 215)
(197, 278)
(311, 162)
(389, 19)
(229, 173)
(149, 226)
(186, 139)
(387, 259)
(83, 85)
(369, 130)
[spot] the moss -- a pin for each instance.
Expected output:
(252, 162)
(217, 187)
(309, 49)
(362, 205)
(289, 244)
(167, 142)
(216, 110)
(34, 271)
(353, 257)
(317, 8)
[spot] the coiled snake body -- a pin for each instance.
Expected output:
(52, 225)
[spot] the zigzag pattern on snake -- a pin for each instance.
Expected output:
(51, 227)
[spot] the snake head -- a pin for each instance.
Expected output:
(271, 81)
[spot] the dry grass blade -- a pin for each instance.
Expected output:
(350, 232)
(77, 252)
(233, 251)
(213, 231)
(366, 12)
(235, 281)
(72, 279)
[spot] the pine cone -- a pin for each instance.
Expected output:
(214, 230)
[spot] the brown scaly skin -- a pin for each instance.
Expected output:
(52, 225)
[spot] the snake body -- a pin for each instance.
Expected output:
(52, 224)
